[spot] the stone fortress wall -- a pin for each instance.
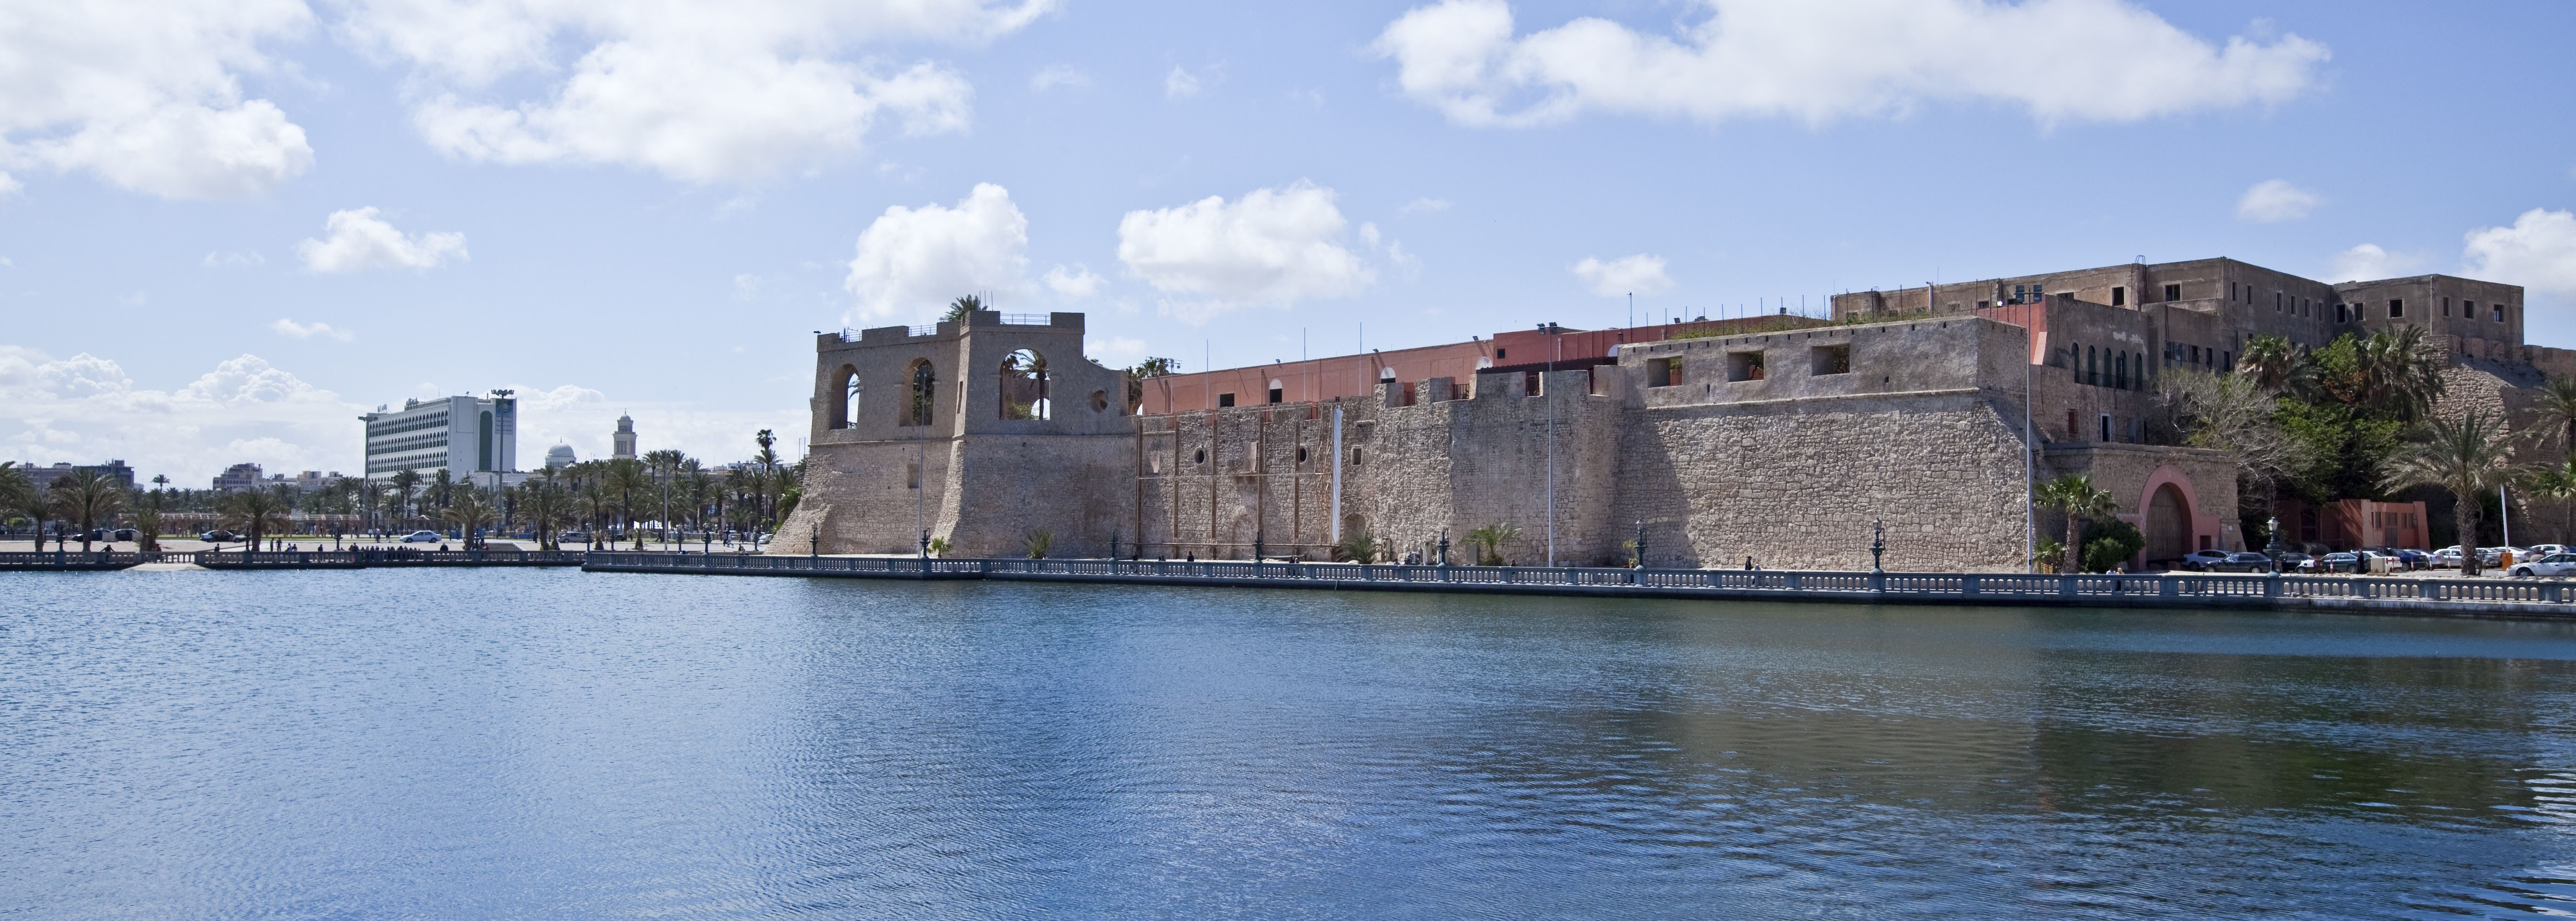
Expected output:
(1922, 411)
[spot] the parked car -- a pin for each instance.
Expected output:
(125, 534)
(2295, 562)
(421, 537)
(2446, 558)
(2339, 562)
(2547, 549)
(2555, 564)
(2241, 562)
(218, 536)
(574, 537)
(2201, 560)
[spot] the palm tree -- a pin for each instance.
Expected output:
(2469, 456)
(405, 483)
(2074, 494)
(257, 512)
(2557, 403)
(87, 499)
(2272, 362)
(596, 505)
(959, 308)
(1489, 540)
(147, 522)
(665, 465)
(2558, 483)
(469, 510)
(2401, 370)
(18, 494)
(629, 484)
(547, 508)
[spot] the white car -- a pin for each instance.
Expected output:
(2446, 558)
(2555, 564)
(421, 537)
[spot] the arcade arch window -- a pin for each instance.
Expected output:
(925, 387)
(1278, 392)
(1024, 387)
(846, 414)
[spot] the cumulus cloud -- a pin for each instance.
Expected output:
(358, 239)
(1179, 84)
(1424, 205)
(9, 185)
(85, 409)
(2275, 200)
(147, 96)
(913, 260)
(1821, 60)
(2538, 252)
(294, 330)
(2369, 262)
(1075, 283)
(1060, 75)
(1638, 274)
(697, 92)
(1272, 246)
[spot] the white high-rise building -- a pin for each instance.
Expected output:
(462, 435)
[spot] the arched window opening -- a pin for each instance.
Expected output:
(1100, 401)
(1024, 386)
(925, 386)
(1278, 391)
(845, 397)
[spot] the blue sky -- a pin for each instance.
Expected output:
(648, 207)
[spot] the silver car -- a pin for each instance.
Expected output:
(2553, 565)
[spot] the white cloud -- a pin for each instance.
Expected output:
(1820, 60)
(1075, 283)
(1115, 351)
(911, 261)
(1060, 75)
(147, 96)
(697, 92)
(2275, 200)
(1638, 274)
(2368, 262)
(2538, 252)
(1179, 84)
(294, 330)
(1424, 206)
(1273, 246)
(9, 185)
(84, 409)
(217, 260)
(746, 286)
(360, 240)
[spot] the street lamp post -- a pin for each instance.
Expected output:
(1641, 543)
(1444, 546)
(1877, 545)
(2273, 549)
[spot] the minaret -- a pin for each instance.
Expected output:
(624, 439)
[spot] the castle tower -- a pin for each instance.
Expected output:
(624, 440)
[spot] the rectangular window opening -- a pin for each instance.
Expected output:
(1278, 395)
(1829, 359)
(2499, 313)
(1663, 372)
(2119, 297)
(2396, 308)
(2106, 426)
(1225, 399)
(2173, 292)
(1743, 366)
(912, 476)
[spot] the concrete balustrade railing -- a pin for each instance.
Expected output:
(2522, 596)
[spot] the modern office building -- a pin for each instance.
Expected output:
(461, 435)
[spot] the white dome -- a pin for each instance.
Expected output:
(559, 456)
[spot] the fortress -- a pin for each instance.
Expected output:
(1781, 439)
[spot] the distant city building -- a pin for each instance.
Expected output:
(237, 477)
(307, 481)
(624, 439)
(559, 457)
(44, 477)
(458, 434)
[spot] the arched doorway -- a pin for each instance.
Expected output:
(2169, 532)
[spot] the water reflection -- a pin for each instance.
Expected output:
(224, 745)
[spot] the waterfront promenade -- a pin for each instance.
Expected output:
(2535, 598)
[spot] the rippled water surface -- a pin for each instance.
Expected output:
(559, 745)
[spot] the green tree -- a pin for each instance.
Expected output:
(2075, 495)
(257, 513)
(665, 465)
(628, 485)
(88, 500)
(1143, 371)
(2556, 483)
(2557, 404)
(2469, 456)
(406, 484)
(1357, 547)
(1489, 541)
(468, 510)
(18, 496)
(959, 308)
(2272, 363)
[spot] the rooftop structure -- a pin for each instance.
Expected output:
(238, 477)
(43, 477)
(622, 441)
